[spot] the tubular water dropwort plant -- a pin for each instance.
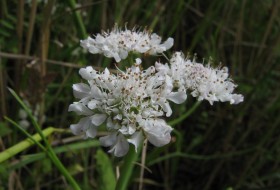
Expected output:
(133, 103)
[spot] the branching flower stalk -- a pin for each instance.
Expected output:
(133, 103)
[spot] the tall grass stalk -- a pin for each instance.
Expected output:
(78, 19)
(49, 149)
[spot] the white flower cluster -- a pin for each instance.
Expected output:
(117, 44)
(205, 83)
(132, 103)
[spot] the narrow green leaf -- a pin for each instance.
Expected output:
(105, 169)
(27, 159)
(23, 145)
(4, 130)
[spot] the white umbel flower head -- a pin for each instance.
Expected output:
(133, 103)
(118, 43)
(204, 82)
(129, 103)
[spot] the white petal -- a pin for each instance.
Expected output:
(106, 72)
(108, 140)
(87, 73)
(168, 84)
(158, 132)
(92, 104)
(100, 39)
(138, 61)
(110, 124)
(121, 147)
(93, 50)
(111, 101)
(81, 126)
(24, 124)
(80, 109)
(161, 67)
(116, 57)
(96, 93)
(237, 98)
(84, 43)
(76, 129)
(142, 48)
(118, 117)
(159, 141)
(177, 97)
(98, 119)
(165, 106)
(81, 90)
(168, 43)
(136, 139)
(148, 112)
(123, 54)
(156, 39)
(123, 130)
(22, 114)
(91, 132)
(131, 129)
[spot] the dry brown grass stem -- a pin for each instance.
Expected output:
(143, 160)
(35, 60)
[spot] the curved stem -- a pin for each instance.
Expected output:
(184, 116)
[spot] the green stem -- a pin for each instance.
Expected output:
(127, 168)
(184, 116)
(78, 20)
(21, 146)
(201, 157)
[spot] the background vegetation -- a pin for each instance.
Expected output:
(217, 147)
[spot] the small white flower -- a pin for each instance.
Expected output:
(24, 123)
(204, 82)
(108, 140)
(117, 142)
(138, 61)
(23, 115)
(88, 73)
(81, 90)
(117, 43)
(80, 109)
(121, 147)
(136, 139)
(157, 131)
(84, 127)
